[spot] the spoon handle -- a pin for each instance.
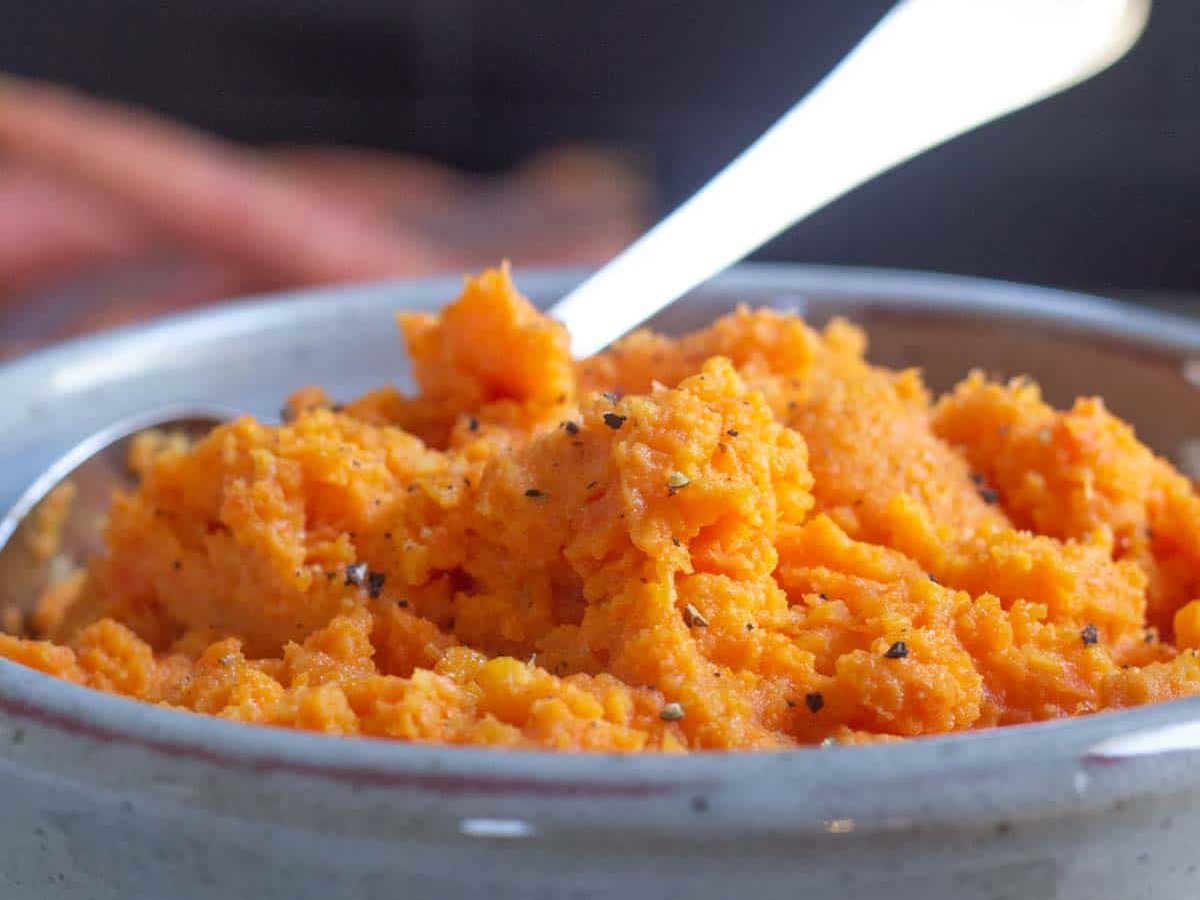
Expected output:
(928, 71)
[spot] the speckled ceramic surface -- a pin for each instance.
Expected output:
(105, 799)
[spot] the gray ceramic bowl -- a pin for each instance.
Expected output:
(105, 799)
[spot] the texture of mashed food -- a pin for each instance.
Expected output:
(745, 538)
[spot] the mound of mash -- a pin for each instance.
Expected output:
(748, 537)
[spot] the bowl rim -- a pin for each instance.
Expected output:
(1062, 747)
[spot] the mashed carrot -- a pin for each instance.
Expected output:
(748, 537)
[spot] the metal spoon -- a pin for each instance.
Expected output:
(93, 469)
(929, 71)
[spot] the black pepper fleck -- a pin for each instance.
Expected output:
(177, 565)
(375, 582)
(815, 701)
(732, 432)
(898, 650)
(472, 424)
(988, 495)
(671, 712)
(534, 493)
(613, 421)
(356, 574)
(693, 618)
(609, 396)
(592, 484)
(570, 427)
(1089, 635)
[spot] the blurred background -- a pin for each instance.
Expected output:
(303, 141)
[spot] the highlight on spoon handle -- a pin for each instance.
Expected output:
(928, 71)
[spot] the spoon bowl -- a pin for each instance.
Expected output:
(58, 523)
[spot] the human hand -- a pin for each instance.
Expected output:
(89, 188)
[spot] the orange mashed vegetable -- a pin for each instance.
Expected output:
(748, 537)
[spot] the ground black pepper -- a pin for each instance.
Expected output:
(570, 427)
(375, 582)
(815, 701)
(1089, 635)
(613, 421)
(693, 618)
(535, 493)
(898, 650)
(671, 712)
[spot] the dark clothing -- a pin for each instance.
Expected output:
(1097, 188)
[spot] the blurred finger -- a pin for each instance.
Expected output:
(49, 229)
(204, 195)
